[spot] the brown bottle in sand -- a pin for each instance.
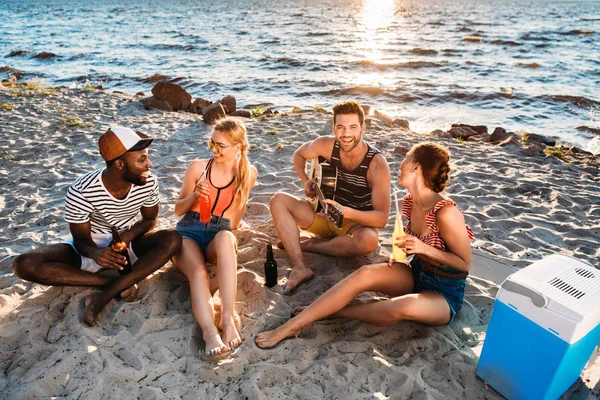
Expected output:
(270, 268)
(120, 247)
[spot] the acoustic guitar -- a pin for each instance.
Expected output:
(326, 177)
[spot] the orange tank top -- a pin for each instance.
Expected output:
(221, 198)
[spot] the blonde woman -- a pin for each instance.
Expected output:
(431, 289)
(225, 181)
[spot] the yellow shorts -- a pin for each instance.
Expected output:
(323, 227)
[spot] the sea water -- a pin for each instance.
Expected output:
(523, 65)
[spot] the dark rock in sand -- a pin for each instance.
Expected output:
(366, 109)
(155, 78)
(483, 137)
(532, 150)
(477, 128)
(241, 113)
(153, 102)
(401, 150)
(44, 55)
(541, 139)
(499, 135)
(17, 75)
(141, 94)
(462, 132)
(198, 105)
(17, 53)
(442, 134)
(386, 119)
(401, 122)
(509, 140)
(174, 94)
(229, 103)
(213, 113)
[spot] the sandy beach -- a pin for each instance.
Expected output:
(520, 207)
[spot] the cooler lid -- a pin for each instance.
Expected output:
(559, 283)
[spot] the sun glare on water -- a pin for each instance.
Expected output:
(377, 14)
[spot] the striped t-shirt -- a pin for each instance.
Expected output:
(88, 200)
(352, 189)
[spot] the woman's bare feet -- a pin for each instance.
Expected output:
(299, 274)
(130, 294)
(90, 312)
(230, 328)
(269, 339)
(214, 345)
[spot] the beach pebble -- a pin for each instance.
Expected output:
(44, 55)
(177, 96)
(19, 52)
(532, 150)
(401, 150)
(477, 128)
(229, 103)
(462, 132)
(441, 133)
(482, 137)
(241, 113)
(198, 105)
(153, 102)
(401, 122)
(213, 113)
(541, 139)
(499, 135)
(155, 78)
(387, 120)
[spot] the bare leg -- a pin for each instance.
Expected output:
(222, 251)
(396, 280)
(359, 241)
(426, 307)
(190, 262)
(155, 249)
(56, 265)
(288, 213)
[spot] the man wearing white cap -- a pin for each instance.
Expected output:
(96, 202)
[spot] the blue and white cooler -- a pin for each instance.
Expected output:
(543, 329)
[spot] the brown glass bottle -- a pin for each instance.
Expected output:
(120, 247)
(270, 268)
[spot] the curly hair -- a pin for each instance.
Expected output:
(433, 160)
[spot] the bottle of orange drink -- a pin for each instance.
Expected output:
(397, 253)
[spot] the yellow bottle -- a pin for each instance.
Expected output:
(397, 253)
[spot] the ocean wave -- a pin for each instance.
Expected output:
(423, 52)
(318, 34)
(408, 64)
(584, 128)
(167, 46)
(579, 32)
(505, 42)
(529, 65)
(575, 100)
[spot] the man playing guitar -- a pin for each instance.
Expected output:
(361, 195)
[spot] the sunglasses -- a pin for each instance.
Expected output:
(216, 147)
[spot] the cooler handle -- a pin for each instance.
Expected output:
(537, 298)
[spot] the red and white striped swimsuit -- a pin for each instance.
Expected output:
(433, 239)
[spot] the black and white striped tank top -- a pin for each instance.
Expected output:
(352, 189)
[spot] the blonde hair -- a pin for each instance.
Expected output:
(235, 132)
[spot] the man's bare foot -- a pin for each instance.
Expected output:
(269, 339)
(130, 294)
(230, 328)
(297, 276)
(90, 312)
(214, 346)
